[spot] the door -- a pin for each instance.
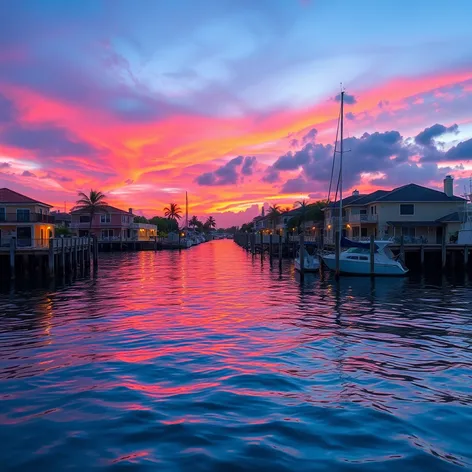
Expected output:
(439, 235)
(23, 236)
(41, 236)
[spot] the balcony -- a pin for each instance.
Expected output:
(26, 217)
(357, 218)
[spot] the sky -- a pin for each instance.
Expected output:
(235, 102)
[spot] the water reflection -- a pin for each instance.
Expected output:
(210, 359)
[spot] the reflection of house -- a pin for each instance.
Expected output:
(413, 211)
(26, 219)
(112, 224)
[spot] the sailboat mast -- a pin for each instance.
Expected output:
(186, 211)
(341, 170)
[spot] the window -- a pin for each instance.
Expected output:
(356, 258)
(107, 233)
(125, 219)
(363, 211)
(363, 258)
(363, 232)
(3, 215)
(106, 218)
(22, 215)
(85, 218)
(409, 231)
(407, 209)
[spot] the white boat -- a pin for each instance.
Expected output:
(310, 263)
(356, 260)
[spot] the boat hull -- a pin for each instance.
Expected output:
(309, 266)
(363, 267)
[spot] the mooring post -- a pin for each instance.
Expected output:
(402, 248)
(372, 255)
(280, 250)
(51, 268)
(12, 257)
(337, 253)
(270, 247)
(253, 243)
(247, 241)
(422, 256)
(69, 255)
(466, 256)
(95, 253)
(443, 249)
(262, 245)
(63, 257)
(294, 247)
(83, 246)
(302, 254)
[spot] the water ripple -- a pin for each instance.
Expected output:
(210, 359)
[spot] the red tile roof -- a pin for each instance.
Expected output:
(9, 196)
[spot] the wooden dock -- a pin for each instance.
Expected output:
(51, 257)
(415, 256)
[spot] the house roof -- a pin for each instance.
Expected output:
(456, 217)
(417, 193)
(406, 193)
(106, 208)
(347, 201)
(371, 197)
(415, 223)
(10, 196)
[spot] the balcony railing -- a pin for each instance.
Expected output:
(23, 217)
(358, 218)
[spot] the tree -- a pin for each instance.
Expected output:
(91, 204)
(194, 222)
(247, 227)
(302, 206)
(173, 212)
(274, 212)
(315, 210)
(210, 223)
(140, 219)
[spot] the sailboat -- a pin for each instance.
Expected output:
(357, 258)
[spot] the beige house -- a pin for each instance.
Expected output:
(418, 213)
(25, 219)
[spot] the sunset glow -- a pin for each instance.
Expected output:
(146, 101)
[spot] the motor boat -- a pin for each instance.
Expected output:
(356, 259)
(310, 263)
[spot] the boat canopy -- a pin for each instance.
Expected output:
(349, 243)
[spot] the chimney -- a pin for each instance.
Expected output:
(355, 193)
(130, 211)
(449, 186)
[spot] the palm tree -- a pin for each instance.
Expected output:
(194, 222)
(173, 212)
(302, 205)
(273, 214)
(91, 204)
(210, 222)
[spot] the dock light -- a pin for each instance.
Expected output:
(348, 226)
(182, 234)
(329, 226)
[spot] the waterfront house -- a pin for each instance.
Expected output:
(112, 224)
(143, 232)
(108, 224)
(26, 219)
(416, 212)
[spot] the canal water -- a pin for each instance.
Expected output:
(209, 360)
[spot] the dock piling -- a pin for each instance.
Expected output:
(302, 255)
(422, 257)
(466, 255)
(12, 257)
(262, 245)
(337, 253)
(402, 248)
(443, 250)
(51, 261)
(270, 246)
(280, 250)
(372, 252)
